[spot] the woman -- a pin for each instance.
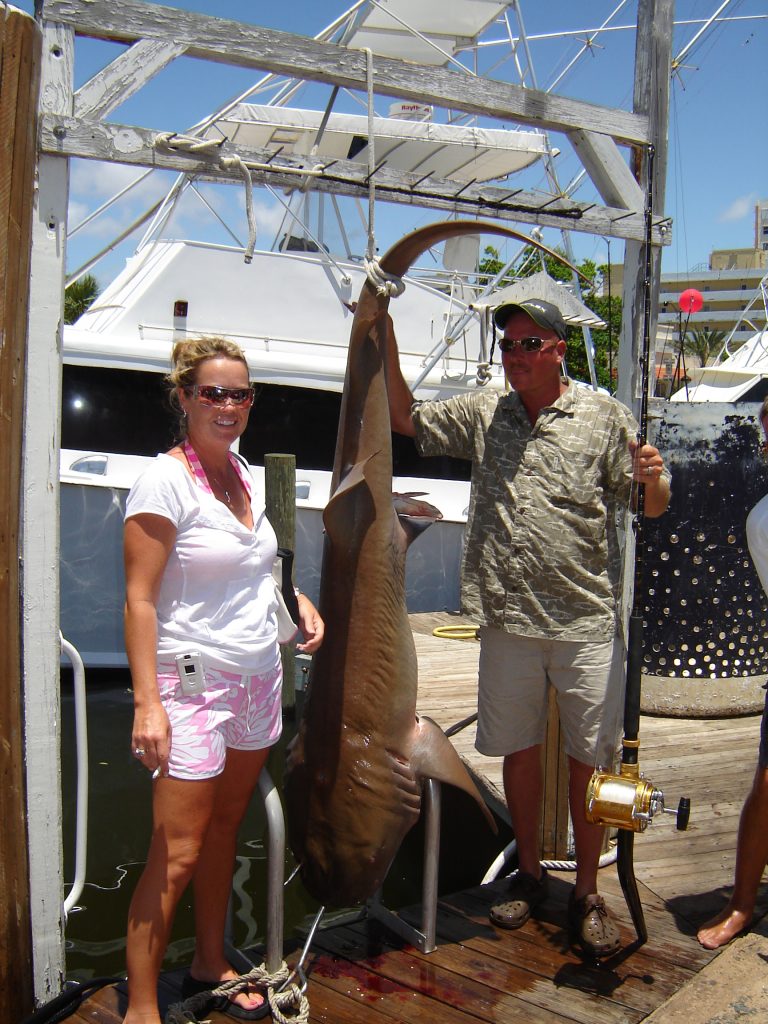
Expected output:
(199, 552)
(752, 843)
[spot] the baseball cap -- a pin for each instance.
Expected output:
(544, 313)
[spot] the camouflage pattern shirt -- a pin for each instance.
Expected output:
(541, 556)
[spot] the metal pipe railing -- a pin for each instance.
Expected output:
(81, 799)
(273, 957)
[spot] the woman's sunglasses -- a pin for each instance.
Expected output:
(526, 344)
(212, 394)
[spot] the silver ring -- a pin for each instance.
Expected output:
(139, 751)
(648, 470)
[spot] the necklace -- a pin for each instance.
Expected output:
(224, 490)
(208, 478)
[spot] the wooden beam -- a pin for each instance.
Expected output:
(251, 46)
(119, 80)
(40, 546)
(67, 136)
(608, 170)
(20, 44)
(653, 61)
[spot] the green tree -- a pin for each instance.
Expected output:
(703, 342)
(79, 296)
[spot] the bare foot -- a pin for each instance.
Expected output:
(724, 927)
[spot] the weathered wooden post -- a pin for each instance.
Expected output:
(20, 44)
(280, 503)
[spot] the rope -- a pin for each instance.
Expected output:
(371, 251)
(193, 145)
(389, 285)
(188, 143)
(282, 993)
(499, 863)
(238, 163)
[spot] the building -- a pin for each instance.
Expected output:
(733, 285)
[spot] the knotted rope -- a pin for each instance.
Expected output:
(191, 144)
(384, 284)
(282, 992)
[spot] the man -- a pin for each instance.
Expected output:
(752, 845)
(550, 460)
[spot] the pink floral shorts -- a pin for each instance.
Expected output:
(239, 711)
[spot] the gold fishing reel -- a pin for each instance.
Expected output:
(629, 801)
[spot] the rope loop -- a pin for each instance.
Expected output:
(483, 373)
(388, 285)
(310, 174)
(292, 995)
(187, 143)
(239, 164)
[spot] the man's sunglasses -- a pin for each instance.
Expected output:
(212, 394)
(526, 344)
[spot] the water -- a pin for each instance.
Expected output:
(120, 825)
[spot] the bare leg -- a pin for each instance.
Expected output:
(751, 858)
(587, 838)
(213, 877)
(181, 812)
(524, 790)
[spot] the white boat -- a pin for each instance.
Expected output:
(288, 308)
(741, 377)
(738, 374)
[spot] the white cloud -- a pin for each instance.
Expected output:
(739, 209)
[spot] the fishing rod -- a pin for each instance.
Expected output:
(627, 800)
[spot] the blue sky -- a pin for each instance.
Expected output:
(718, 150)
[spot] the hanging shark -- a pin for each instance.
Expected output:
(354, 769)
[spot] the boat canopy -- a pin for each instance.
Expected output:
(461, 152)
(542, 286)
(428, 32)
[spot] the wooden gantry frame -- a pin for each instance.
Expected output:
(71, 124)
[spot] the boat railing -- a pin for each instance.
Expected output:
(248, 339)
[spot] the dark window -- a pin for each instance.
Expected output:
(127, 412)
(122, 411)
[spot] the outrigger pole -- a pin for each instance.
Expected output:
(627, 801)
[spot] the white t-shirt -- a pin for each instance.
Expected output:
(217, 594)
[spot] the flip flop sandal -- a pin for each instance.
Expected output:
(191, 986)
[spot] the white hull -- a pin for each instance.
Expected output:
(92, 579)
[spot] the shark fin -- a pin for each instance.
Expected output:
(334, 513)
(434, 756)
(415, 516)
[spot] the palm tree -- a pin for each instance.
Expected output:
(703, 342)
(79, 296)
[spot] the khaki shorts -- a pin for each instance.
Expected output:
(515, 675)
